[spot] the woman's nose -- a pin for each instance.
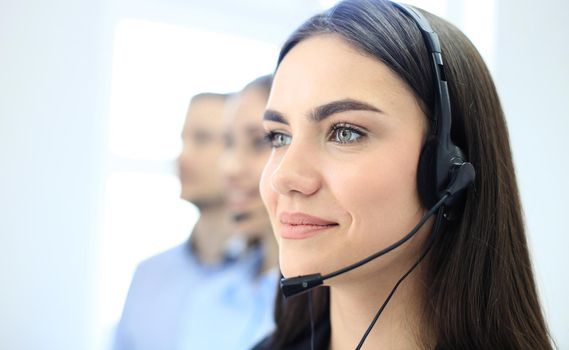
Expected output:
(297, 172)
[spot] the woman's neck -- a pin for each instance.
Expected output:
(353, 306)
(210, 235)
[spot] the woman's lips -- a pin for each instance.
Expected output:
(301, 226)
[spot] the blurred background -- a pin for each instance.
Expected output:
(92, 99)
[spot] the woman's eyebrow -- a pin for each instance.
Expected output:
(324, 111)
(274, 116)
(348, 104)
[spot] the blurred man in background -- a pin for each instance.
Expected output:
(165, 288)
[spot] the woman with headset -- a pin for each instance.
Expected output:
(391, 190)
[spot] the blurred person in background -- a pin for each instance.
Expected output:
(165, 288)
(246, 152)
(240, 308)
(225, 276)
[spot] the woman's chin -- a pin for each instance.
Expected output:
(291, 267)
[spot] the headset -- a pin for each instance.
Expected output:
(443, 173)
(441, 162)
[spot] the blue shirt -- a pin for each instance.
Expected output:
(176, 303)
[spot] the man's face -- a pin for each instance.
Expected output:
(198, 162)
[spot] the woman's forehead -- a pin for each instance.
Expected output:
(326, 68)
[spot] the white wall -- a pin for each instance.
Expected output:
(532, 74)
(54, 67)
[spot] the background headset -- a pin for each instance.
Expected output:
(443, 173)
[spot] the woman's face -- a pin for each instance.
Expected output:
(340, 183)
(245, 154)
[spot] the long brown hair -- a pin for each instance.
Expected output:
(480, 289)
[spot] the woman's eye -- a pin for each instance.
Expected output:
(345, 134)
(278, 139)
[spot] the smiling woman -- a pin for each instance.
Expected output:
(359, 118)
(349, 158)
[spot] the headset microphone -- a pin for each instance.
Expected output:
(463, 176)
(301, 284)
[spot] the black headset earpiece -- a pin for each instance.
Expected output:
(426, 177)
(439, 170)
